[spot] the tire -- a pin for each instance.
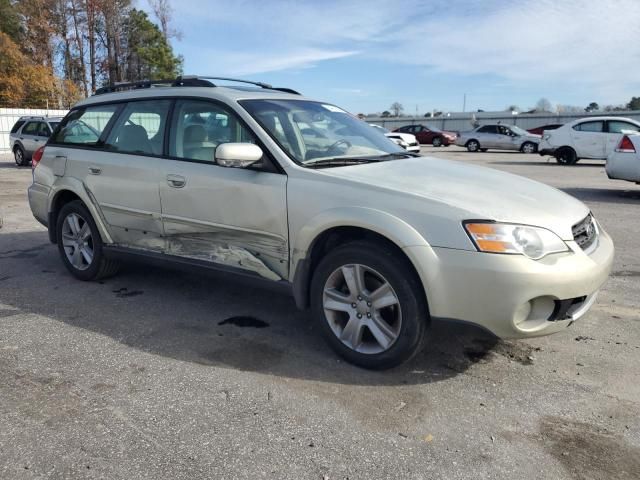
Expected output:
(566, 156)
(76, 258)
(437, 142)
(19, 156)
(473, 145)
(382, 337)
(529, 147)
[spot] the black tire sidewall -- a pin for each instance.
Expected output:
(397, 271)
(571, 158)
(21, 163)
(470, 142)
(79, 208)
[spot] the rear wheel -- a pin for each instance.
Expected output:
(437, 142)
(369, 305)
(80, 245)
(473, 145)
(529, 147)
(19, 156)
(566, 156)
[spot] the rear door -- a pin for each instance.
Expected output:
(589, 139)
(614, 132)
(229, 216)
(115, 151)
(29, 136)
(486, 135)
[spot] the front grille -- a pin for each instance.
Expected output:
(585, 232)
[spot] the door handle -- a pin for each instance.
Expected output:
(176, 181)
(95, 170)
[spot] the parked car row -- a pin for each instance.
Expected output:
(405, 140)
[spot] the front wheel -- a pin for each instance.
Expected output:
(473, 145)
(437, 142)
(80, 245)
(529, 147)
(370, 305)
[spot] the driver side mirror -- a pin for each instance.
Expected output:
(237, 155)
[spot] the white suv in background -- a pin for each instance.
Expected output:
(592, 138)
(304, 197)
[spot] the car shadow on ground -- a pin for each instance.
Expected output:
(214, 321)
(606, 195)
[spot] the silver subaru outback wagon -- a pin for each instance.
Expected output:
(265, 183)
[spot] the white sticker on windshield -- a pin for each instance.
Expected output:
(334, 109)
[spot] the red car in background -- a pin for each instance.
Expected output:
(429, 135)
(539, 130)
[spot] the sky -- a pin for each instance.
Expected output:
(366, 54)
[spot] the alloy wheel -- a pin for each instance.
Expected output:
(528, 148)
(362, 309)
(19, 156)
(77, 241)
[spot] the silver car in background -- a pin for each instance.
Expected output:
(499, 137)
(30, 133)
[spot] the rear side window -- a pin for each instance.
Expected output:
(85, 125)
(488, 129)
(616, 126)
(31, 128)
(199, 127)
(17, 126)
(140, 128)
(597, 126)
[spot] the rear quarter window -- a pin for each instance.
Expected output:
(17, 126)
(84, 126)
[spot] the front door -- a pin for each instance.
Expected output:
(235, 217)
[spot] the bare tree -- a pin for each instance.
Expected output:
(543, 105)
(396, 108)
(164, 13)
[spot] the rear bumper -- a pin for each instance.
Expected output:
(511, 295)
(39, 201)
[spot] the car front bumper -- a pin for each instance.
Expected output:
(511, 295)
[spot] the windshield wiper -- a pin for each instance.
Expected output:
(398, 155)
(339, 162)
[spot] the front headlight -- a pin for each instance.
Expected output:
(534, 242)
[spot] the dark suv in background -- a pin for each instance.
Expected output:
(30, 133)
(429, 135)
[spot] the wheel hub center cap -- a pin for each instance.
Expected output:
(361, 307)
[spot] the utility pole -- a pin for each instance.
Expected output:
(464, 103)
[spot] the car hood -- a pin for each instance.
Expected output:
(476, 192)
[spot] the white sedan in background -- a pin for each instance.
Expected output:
(405, 140)
(592, 137)
(624, 162)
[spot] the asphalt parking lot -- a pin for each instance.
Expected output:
(139, 376)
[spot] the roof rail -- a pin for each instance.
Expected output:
(183, 81)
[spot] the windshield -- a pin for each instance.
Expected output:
(518, 130)
(54, 125)
(311, 131)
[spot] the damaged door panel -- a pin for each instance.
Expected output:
(231, 216)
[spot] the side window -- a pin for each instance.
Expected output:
(488, 129)
(85, 125)
(616, 126)
(31, 128)
(198, 127)
(140, 128)
(17, 126)
(597, 126)
(43, 130)
(502, 130)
